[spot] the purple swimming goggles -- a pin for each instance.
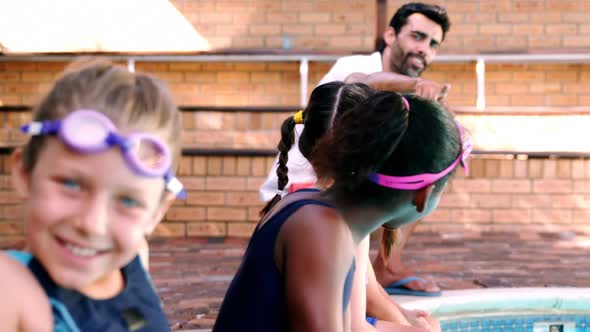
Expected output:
(89, 131)
(415, 182)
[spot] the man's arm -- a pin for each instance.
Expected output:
(388, 81)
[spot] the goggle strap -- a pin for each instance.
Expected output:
(33, 128)
(174, 186)
(41, 128)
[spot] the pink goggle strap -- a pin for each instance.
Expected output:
(406, 103)
(415, 182)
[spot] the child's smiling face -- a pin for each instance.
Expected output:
(86, 214)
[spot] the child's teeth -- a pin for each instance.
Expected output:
(81, 251)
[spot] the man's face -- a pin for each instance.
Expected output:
(414, 47)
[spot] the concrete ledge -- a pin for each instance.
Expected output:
(481, 301)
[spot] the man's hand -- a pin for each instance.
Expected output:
(431, 90)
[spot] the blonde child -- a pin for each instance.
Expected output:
(96, 178)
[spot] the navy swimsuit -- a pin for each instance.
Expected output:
(255, 300)
(136, 308)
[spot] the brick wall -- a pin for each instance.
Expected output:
(496, 25)
(317, 24)
(500, 194)
(534, 194)
(478, 25)
(278, 83)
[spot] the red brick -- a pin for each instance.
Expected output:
(212, 229)
(561, 100)
(552, 216)
(531, 201)
(511, 215)
(170, 229)
(281, 18)
(9, 197)
(564, 169)
(581, 216)
(527, 29)
(529, 76)
(193, 183)
(506, 168)
(20, 66)
(471, 215)
(225, 183)
(492, 168)
(527, 100)
(469, 185)
(259, 167)
(14, 212)
(570, 201)
(205, 198)
(491, 200)
(243, 166)
(154, 66)
(578, 169)
(314, 17)
(254, 213)
(477, 168)
(576, 17)
(200, 77)
(439, 215)
(511, 186)
(576, 41)
(214, 166)
(581, 186)
(11, 228)
(549, 169)
(545, 87)
(254, 183)
(242, 199)
(512, 88)
(451, 199)
(520, 169)
(561, 5)
(552, 186)
(225, 214)
(185, 166)
(506, 16)
(480, 18)
(185, 213)
(240, 229)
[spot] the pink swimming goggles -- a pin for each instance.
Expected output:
(88, 131)
(415, 182)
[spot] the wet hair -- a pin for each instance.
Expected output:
(133, 101)
(326, 103)
(435, 13)
(381, 135)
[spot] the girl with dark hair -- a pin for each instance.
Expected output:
(297, 270)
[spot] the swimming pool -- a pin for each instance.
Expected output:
(508, 309)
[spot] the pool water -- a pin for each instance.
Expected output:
(560, 309)
(518, 323)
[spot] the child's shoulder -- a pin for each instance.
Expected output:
(25, 305)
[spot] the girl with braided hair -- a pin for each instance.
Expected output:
(297, 272)
(368, 300)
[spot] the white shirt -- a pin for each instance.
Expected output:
(300, 170)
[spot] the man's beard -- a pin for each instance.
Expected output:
(407, 69)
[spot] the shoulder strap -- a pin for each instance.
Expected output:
(21, 256)
(63, 321)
